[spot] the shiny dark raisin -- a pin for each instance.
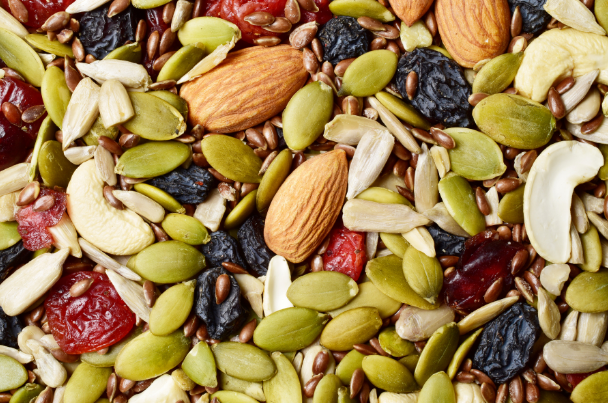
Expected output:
(223, 248)
(505, 343)
(443, 92)
(10, 257)
(100, 34)
(251, 238)
(533, 14)
(446, 244)
(343, 38)
(10, 327)
(282, 143)
(224, 319)
(190, 185)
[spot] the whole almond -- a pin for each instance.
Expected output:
(410, 11)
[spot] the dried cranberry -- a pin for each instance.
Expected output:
(235, 11)
(321, 16)
(33, 224)
(485, 259)
(345, 252)
(213, 8)
(575, 379)
(97, 319)
(155, 22)
(40, 10)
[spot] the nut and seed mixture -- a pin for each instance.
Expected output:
(303, 201)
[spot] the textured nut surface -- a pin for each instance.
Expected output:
(410, 11)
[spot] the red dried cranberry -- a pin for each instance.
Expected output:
(345, 252)
(33, 225)
(235, 11)
(97, 319)
(213, 8)
(40, 10)
(575, 379)
(485, 259)
(321, 16)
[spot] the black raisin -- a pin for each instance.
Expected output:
(190, 185)
(505, 343)
(100, 34)
(443, 92)
(251, 238)
(224, 319)
(533, 15)
(343, 38)
(12, 256)
(10, 327)
(446, 244)
(223, 248)
(282, 144)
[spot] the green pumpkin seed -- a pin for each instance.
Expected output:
(438, 389)
(109, 359)
(272, 180)
(175, 101)
(344, 395)
(42, 42)
(54, 167)
(369, 73)
(306, 114)
(55, 94)
(27, 393)
(396, 243)
(20, 56)
(152, 159)
(241, 211)
(476, 156)
(460, 201)
(361, 8)
(592, 250)
(588, 292)
(382, 195)
(423, 274)
(410, 361)
(252, 389)
(86, 384)
(210, 31)
(601, 13)
(168, 262)
(393, 344)
(437, 353)
(10, 236)
(322, 291)
(369, 295)
(514, 121)
(199, 365)
(551, 397)
(154, 118)
(227, 396)
(402, 110)
(387, 274)
(593, 389)
(511, 206)
(46, 133)
(388, 374)
(496, 75)
(182, 62)
(289, 329)
(462, 352)
(13, 373)
(130, 53)
(351, 362)
(147, 4)
(172, 308)
(185, 229)
(243, 361)
(148, 356)
(327, 389)
(98, 130)
(354, 326)
(603, 173)
(285, 385)
(232, 158)
(161, 197)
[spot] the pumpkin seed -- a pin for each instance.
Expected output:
(152, 159)
(459, 199)
(369, 73)
(486, 313)
(354, 326)
(351, 361)
(243, 361)
(327, 389)
(55, 94)
(396, 243)
(423, 274)
(285, 385)
(344, 395)
(182, 62)
(154, 118)
(603, 173)
(54, 167)
(130, 53)
(175, 101)
(241, 211)
(476, 156)
(232, 158)
(172, 308)
(185, 229)
(168, 262)
(496, 75)
(410, 361)
(593, 389)
(382, 195)
(402, 110)
(289, 329)
(46, 133)
(592, 250)
(199, 365)
(388, 374)
(462, 352)
(588, 292)
(306, 114)
(27, 393)
(148, 356)
(161, 197)
(42, 42)
(393, 344)
(511, 206)
(514, 121)
(98, 130)
(322, 291)
(210, 31)
(13, 373)
(227, 396)
(146, 4)
(109, 359)
(437, 353)
(86, 384)
(272, 180)
(253, 389)
(438, 389)
(369, 295)
(361, 8)
(547, 396)
(20, 56)
(10, 236)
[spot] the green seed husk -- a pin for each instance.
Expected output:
(154, 118)
(172, 308)
(199, 365)
(109, 359)
(55, 94)
(459, 199)
(438, 389)
(327, 389)
(243, 361)
(46, 133)
(351, 327)
(161, 197)
(130, 53)
(210, 31)
(403, 110)
(369, 295)
(168, 262)
(388, 374)
(272, 180)
(588, 292)
(393, 344)
(175, 101)
(285, 385)
(361, 8)
(228, 396)
(152, 159)
(54, 167)
(476, 156)
(182, 62)
(437, 353)
(9, 235)
(369, 73)
(423, 274)
(98, 130)
(592, 250)
(593, 389)
(43, 43)
(13, 373)
(241, 211)
(511, 206)
(26, 393)
(20, 56)
(382, 195)
(146, 4)
(462, 352)
(289, 329)
(496, 75)
(232, 158)
(396, 243)
(185, 229)
(322, 291)
(351, 361)
(86, 384)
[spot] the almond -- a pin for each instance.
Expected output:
(410, 11)
(306, 206)
(473, 30)
(252, 85)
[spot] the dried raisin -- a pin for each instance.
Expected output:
(251, 238)
(10, 327)
(10, 257)
(533, 15)
(223, 248)
(190, 185)
(446, 244)
(343, 38)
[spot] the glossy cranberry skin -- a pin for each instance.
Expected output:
(575, 379)
(40, 10)
(345, 252)
(33, 224)
(485, 259)
(97, 319)
(235, 11)
(321, 16)
(213, 8)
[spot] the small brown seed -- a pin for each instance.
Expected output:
(126, 385)
(191, 326)
(392, 46)
(120, 399)
(488, 392)
(341, 67)
(527, 160)
(518, 44)
(593, 124)
(600, 191)
(400, 168)
(56, 21)
(516, 390)
(152, 45)
(298, 159)
(317, 49)
(401, 152)
(442, 138)
(311, 385)
(476, 98)
(46, 396)
(406, 193)
(533, 281)
(267, 161)
(376, 345)
(110, 145)
(29, 193)
(379, 43)
(166, 40)
(161, 60)
(516, 231)
(99, 269)
(64, 36)
(202, 334)
(467, 365)
(80, 287)
(350, 105)
(256, 138)
(465, 377)
(411, 84)
(389, 32)
(10, 73)
(540, 365)
(482, 201)
(565, 85)
(529, 376)
(556, 104)
(59, 62)
(356, 382)
(267, 41)
(308, 5)
(62, 356)
(423, 135)
(234, 268)
(74, 25)
(493, 292)
(511, 153)
(431, 22)
(142, 385)
(140, 32)
(482, 377)
(504, 233)
(281, 25)
(222, 288)
(247, 331)
(320, 362)
(371, 24)
(516, 22)
(365, 349)
(588, 3)
(260, 18)
(364, 394)
(110, 198)
(410, 174)
(72, 75)
(311, 64)
(524, 288)
(11, 113)
(448, 261)
(339, 355)
(199, 8)
(502, 393)
(507, 185)
(78, 49)
(247, 188)
(168, 11)
(292, 11)
(117, 7)
(19, 11)
(546, 383)
(149, 293)
(44, 203)
(128, 140)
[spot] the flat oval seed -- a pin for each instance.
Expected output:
(340, 334)
(171, 309)
(243, 361)
(86, 384)
(369, 73)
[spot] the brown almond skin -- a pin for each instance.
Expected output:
(251, 86)
(410, 11)
(306, 206)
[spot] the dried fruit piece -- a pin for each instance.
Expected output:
(345, 252)
(251, 238)
(236, 12)
(33, 224)
(533, 15)
(223, 248)
(343, 38)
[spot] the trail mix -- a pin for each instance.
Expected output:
(283, 201)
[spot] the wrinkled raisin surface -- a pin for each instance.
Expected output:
(505, 343)
(446, 244)
(33, 224)
(10, 327)
(443, 92)
(345, 252)
(190, 185)
(10, 257)
(223, 248)
(235, 11)
(533, 15)
(251, 238)
(224, 319)
(343, 38)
